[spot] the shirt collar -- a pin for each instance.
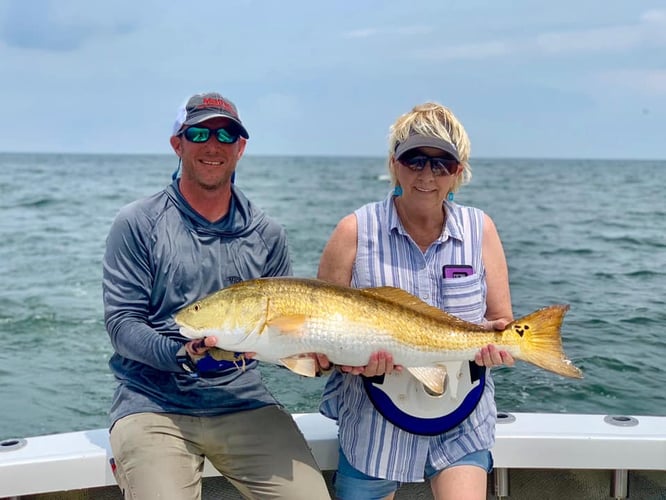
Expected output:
(452, 224)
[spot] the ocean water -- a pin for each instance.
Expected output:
(591, 234)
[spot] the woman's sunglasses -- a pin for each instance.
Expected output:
(440, 165)
(202, 134)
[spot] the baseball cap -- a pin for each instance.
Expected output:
(202, 107)
(415, 141)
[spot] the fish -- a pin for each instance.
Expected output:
(283, 320)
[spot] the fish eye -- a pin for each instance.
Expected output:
(196, 307)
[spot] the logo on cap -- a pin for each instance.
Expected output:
(201, 107)
(216, 102)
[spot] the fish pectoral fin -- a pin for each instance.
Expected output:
(287, 324)
(434, 378)
(302, 364)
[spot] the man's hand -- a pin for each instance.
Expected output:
(197, 348)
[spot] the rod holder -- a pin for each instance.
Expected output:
(501, 476)
(620, 484)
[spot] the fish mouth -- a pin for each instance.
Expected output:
(190, 333)
(224, 341)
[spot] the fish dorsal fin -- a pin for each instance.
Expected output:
(302, 364)
(406, 299)
(399, 296)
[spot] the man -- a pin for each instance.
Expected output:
(175, 404)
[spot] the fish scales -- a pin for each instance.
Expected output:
(400, 330)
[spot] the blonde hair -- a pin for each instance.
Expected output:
(433, 120)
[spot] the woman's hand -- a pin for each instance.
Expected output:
(380, 363)
(323, 364)
(491, 356)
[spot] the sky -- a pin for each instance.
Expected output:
(527, 78)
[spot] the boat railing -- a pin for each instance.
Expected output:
(619, 443)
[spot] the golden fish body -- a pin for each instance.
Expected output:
(281, 319)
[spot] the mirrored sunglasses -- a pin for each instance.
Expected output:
(440, 165)
(202, 134)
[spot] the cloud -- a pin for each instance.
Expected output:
(63, 26)
(361, 33)
(600, 40)
(415, 30)
(470, 51)
(655, 16)
(648, 32)
(647, 82)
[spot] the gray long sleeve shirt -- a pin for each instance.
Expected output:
(161, 255)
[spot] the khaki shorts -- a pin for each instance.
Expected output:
(261, 452)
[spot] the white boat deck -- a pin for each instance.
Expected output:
(80, 460)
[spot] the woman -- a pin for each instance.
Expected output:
(450, 256)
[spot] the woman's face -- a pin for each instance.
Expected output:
(426, 175)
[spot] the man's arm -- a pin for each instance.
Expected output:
(127, 282)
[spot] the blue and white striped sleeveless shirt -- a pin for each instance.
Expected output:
(386, 255)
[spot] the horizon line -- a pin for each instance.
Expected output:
(350, 156)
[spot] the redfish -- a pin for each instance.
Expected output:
(283, 319)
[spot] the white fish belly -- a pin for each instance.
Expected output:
(347, 343)
(342, 341)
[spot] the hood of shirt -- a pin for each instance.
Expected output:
(241, 219)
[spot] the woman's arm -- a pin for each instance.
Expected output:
(498, 298)
(337, 259)
(335, 266)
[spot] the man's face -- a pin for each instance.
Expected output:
(209, 164)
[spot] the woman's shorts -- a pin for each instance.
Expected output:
(352, 484)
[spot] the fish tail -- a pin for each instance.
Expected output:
(541, 340)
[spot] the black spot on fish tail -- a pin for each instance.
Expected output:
(520, 328)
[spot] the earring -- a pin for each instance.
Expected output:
(450, 196)
(397, 191)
